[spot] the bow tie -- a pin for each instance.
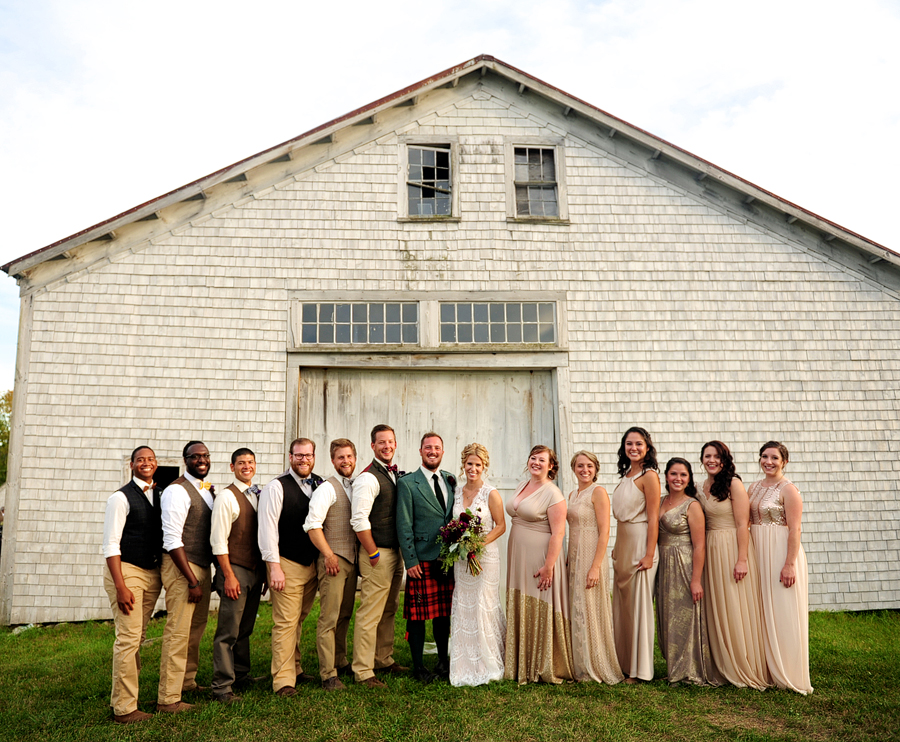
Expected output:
(311, 482)
(148, 487)
(204, 486)
(392, 468)
(253, 489)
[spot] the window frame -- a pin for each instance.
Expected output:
(557, 144)
(428, 140)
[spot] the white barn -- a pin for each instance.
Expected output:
(482, 254)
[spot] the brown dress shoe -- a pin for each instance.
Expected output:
(392, 668)
(333, 684)
(173, 708)
(345, 669)
(286, 692)
(226, 698)
(131, 718)
(196, 688)
(305, 677)
(372, 683)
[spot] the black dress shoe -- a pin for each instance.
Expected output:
(345, 669)
(247, 681)
(442, 670)
(424, 675)
(305, 677)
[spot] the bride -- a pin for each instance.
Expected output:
(477, 624)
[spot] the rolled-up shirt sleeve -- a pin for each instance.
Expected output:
(320, 503)
(117, 509)
(271, 500)
(175, 503)
(365, 490)
(224, 513)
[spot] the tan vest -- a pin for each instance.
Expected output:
(336, 528)
(243, 544)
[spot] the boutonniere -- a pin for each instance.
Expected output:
(212, 490)
(452, 480)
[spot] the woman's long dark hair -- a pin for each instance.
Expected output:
(649, 461)
(691, 489)
(721, 486)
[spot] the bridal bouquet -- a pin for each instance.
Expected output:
(462, 538)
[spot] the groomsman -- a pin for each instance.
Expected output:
(239, 578)
(186, 521)
(424, 506)
(374, 518)
(132, 546)
(290, 559)
(329, 529)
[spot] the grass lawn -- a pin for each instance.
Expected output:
(54, 685)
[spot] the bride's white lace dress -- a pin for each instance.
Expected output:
(477, 623)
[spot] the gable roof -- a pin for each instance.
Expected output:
(659, 150)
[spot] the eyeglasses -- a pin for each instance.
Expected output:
(303, 456)
(198, 457)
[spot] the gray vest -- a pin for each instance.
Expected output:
(336, 528)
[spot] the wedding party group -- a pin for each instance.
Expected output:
(726, 569)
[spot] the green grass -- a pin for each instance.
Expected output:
(54, 685)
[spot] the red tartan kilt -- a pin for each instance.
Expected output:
(429, 596)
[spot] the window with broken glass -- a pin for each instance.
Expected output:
(428, 183)
(360, 323)
(536, 182)
(498, 322)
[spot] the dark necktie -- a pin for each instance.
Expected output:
(437, 491)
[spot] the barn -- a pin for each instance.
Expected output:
(479, 253)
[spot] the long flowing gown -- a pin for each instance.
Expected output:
(477, 624)
(632, 589)
(683, 637)
(593, 645)
(733, 610)
(785, 609)
(538, 635)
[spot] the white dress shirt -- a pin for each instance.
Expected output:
(226, 510)
(175, 503)
(365, 490)
(117, 510)
(271, 501)
(322, 500)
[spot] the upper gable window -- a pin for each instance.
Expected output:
(428, 182)
(536, 188)
(496, 322)
(429, 168)
(360, 323)
(536, 184)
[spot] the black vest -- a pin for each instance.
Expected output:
(383, 516)
(293, 541)
(141, 543)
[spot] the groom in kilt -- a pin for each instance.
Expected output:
(424, 506)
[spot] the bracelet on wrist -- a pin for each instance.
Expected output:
(196, 584)
(376, 554)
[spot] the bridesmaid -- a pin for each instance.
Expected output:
(593, 646)
(538, 635)
(732, 602)
(776, 509)
(683, 638)
(635, 505)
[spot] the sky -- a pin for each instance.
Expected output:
(107, 104)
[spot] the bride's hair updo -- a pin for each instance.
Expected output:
(474, 449)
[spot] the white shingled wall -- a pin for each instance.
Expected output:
(681, 318)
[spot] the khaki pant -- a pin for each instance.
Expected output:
(337, 594)
(290, 607)
(130, 632)
(373, 634)
(184, 630)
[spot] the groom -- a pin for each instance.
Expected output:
(424, 506)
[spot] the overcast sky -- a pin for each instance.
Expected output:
(106, 104)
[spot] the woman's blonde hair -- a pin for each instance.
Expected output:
(474, 449)
(590, 457)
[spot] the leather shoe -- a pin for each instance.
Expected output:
(424, 675)
(333, 684)
(196, 688)
(305, 677)
(173, 708)
(227, 698)
(345, 669)
(442, 670)
(393, 668)
(372, 683)
(286, 692)
(131, 718)
(247, 681)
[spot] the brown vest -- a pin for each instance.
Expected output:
(243, 543)
(197, 527)
(336, 528)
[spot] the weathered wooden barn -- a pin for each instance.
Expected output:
(482, 254)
